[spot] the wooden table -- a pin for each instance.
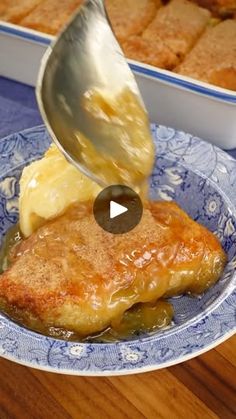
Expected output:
(204, 387)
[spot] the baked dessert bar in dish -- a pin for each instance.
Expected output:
(213, 59)
(131, 17)
(170, 36)
(161, 33)
(51, 15)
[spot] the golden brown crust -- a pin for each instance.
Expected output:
(50, 15)
(15, 10)
(154, 53)
(131, 17)
(213, 59)
(169, 37)
(178, 25)
(72, 274)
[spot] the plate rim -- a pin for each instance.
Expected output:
(115, 373)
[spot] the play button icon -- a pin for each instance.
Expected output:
(118, 209)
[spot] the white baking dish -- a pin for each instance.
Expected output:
(183, 103)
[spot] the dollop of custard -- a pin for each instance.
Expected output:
(48, 187)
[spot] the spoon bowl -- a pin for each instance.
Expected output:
(86, 57)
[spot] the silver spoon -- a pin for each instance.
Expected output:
(85, 56)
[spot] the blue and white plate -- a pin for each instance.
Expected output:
(202, 179)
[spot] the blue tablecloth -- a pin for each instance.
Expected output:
(18, 108)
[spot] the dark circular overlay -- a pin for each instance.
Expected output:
(121, 195)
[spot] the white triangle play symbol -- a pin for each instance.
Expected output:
(116, 209)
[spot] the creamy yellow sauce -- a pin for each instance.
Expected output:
(12, 237)
(133, 151)
(50, 185)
